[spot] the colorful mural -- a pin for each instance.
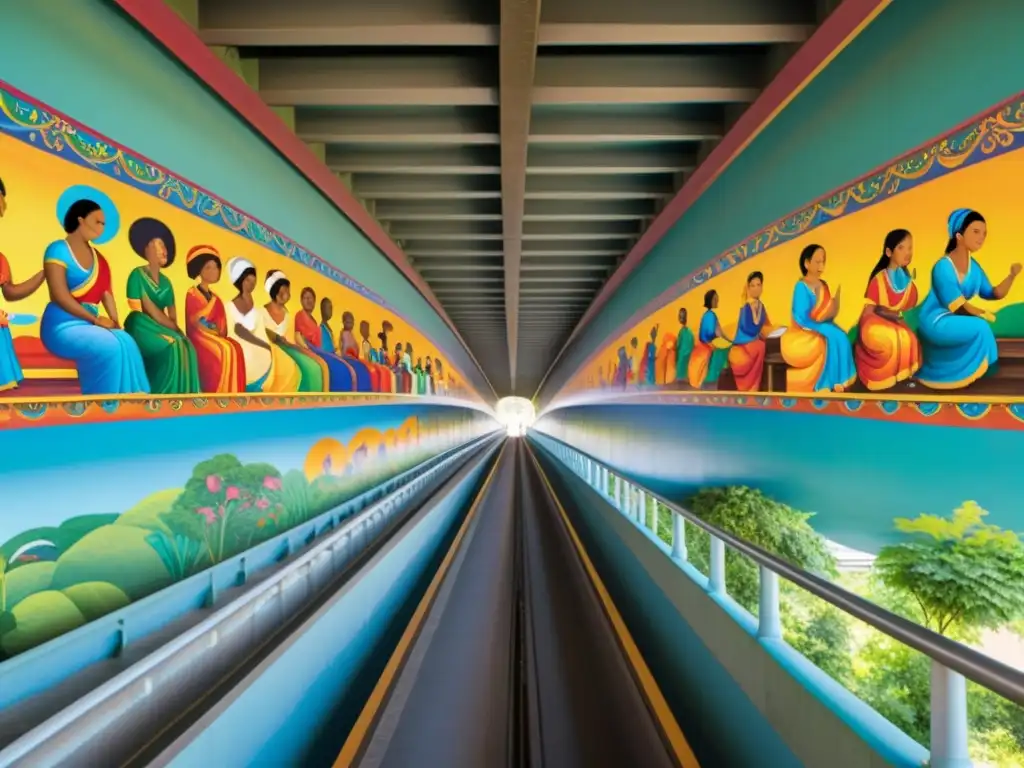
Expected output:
(109, 513)
(120, 278)
(902, 285)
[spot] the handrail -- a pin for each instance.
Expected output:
(365, 519)
(984, 670)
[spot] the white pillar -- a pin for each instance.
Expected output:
(949, 719)
(716, 581)
(769, 623)
(678, 538)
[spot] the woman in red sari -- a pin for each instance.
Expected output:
(310, 334)
(221, 362)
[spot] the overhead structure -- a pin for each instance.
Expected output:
(515, 151)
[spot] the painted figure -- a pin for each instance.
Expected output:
(649, 361)
(378, 374)
(665, 372)
(245, 326)
(442, 386)
(220, 358)
(887, 351)
(280, 329)
(10, 369)
(350, 350)
(817, 351)
(711, 349)
(309, 334)
(168, 355)
(684, 347)
(326, 332)
(746, 358)
(78, 278)
(957, 341)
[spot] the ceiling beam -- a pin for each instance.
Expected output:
(520, 23)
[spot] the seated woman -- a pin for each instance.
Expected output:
(389, 382)
(666, 373)
(168, 355)
(379, 374)
(441, 386)
(957, 342)
(280, 328)
(746, 358)
(649, 361)
(684, 347)
(710, 349)
(817, 351)
(221, 360)
(309, 334)
(267, 367)
(887, 351)
(78, 278)
(350, 351)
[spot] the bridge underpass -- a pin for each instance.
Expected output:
(461, 517)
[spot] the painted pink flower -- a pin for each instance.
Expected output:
(272, 483)
(208, 514)
(220, 511)
(231, 494)
(262, 504)
(246, 504)
(213, 483)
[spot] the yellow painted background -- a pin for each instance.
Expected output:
(35, 180)
(853, 244)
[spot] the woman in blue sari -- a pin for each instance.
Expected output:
(957, 342)
(711, 349)
(78, 277)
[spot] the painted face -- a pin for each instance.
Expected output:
(754, 288)
(308, 300)
(284, 295)
(364, 330)
(248, 284)
(348, 320)
(816, 264)
(903, 254)
(3, 205)
(974, 236)
(327, 309)
(92, 226)
(156, 252)
(682, 317)
(210, 273)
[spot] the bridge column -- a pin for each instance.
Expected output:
(949, 719)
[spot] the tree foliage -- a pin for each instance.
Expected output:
(962, 573)
(750, 515)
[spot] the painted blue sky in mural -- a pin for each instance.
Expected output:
(52, 474)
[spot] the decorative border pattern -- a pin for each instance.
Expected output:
(973, 413)
(42, 128)
(990, 135)
(15, 414)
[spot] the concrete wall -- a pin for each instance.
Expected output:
(85, 59)
(921, 68)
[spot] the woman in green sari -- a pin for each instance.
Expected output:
(168, 355)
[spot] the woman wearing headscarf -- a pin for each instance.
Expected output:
(221, 360)
(957, 342)
(245, 326)
(280, 328)
(168, 355)
(78, 278)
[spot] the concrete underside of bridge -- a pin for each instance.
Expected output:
(515, 151)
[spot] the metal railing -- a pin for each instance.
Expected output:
(951, 661)
(239, 625)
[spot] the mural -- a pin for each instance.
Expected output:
(99, 517)
(902, 285)
(119, 278)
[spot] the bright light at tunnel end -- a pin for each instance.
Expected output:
(516, 414)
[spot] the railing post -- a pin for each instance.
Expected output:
(641, 503)
(678, 537)
(769, 622)
(716, 581)
(949, 719)
(618, 492)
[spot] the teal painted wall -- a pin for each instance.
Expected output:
(87, 60)
(921, 68)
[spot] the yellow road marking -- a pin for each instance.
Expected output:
(649, 686)
(362, 728)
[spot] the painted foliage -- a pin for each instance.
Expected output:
(109, 513)
(119, 278)
(902, 284)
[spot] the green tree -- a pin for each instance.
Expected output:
(964, 575)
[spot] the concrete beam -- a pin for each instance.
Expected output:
(423, 126)
(600, 127)
(520, 22)
(429, 187)
(375, 81)
(661, 79)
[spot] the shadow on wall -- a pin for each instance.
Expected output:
(84, 533)
(855, 474)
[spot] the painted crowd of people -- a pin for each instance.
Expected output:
(952, 347)
(221, 347)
